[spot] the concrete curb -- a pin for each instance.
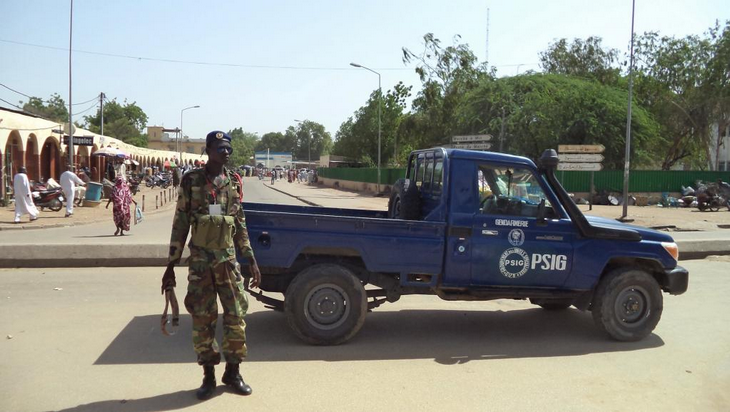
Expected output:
(131, 255)
(84, 255)
(700, 249)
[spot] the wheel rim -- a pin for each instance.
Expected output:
(327, 306)
(632, 306)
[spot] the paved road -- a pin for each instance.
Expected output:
(95, 346)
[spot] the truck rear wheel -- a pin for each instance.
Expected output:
(325, 304)
(627, 304)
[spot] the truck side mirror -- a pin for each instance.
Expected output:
(541, 211)
(549, 160)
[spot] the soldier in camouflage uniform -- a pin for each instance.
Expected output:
(210, 203)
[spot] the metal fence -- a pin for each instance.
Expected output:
(610, 180)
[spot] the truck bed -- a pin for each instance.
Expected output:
(281, 233)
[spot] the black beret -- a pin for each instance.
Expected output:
(216, 135)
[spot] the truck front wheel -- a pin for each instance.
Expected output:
(627, 304)
(325, 304)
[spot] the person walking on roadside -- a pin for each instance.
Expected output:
(122, 197)
(273, 176)
(209, 201)
(69, 180)
(23, 196)
(110, 172)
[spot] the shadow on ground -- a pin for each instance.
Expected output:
(446, 336)
(167, 402)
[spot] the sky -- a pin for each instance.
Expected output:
(261, 65)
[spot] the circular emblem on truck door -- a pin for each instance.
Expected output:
(516, 237)
(514, 262)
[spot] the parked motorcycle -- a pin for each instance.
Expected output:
(713, 196)
(51, 198)
(159, 180)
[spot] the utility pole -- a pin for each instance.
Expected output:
(70, 101)
(501, 132)
(102, 96)
(627, 161)
(486, 56)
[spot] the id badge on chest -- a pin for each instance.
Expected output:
(215, 210)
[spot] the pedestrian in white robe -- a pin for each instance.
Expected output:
(23, 197)
(69, 180)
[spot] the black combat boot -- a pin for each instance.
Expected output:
(209, 383)
(233, 378)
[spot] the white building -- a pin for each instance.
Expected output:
(273, 159)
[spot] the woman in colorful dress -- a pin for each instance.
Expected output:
(122, 197)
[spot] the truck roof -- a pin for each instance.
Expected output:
(483, 156)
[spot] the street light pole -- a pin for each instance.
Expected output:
(380, 99)
(627, 160)
(70, 100)
(179, 143)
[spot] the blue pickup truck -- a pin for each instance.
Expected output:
(462, 225)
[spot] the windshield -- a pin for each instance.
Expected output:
(511, 191)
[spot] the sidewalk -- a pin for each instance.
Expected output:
(165, 199)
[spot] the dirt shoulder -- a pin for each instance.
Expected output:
(675, 219)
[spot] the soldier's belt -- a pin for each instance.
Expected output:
(170, 301)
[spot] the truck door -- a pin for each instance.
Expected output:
(509, 248)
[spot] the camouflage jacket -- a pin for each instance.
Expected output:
(196, 193)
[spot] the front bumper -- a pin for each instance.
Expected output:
(676, 280)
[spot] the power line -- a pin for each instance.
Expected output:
(17, 107)
(84, 111)
(200, 63)
(246, 66)
(45, 101)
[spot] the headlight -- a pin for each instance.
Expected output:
(672, 249)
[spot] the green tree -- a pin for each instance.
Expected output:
(684, 84)
(542, 111)
(357, 137)
(587, 59)
(125, 122)
(243, 144)
(54, 109)
(275, 142)
(311, 140)
(447, 74)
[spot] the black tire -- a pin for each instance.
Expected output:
(627, 304)
(55, 205)
(325, 304)
(552, 304)
(405, 201)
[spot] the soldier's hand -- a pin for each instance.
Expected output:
(255, 274)
(168, 279)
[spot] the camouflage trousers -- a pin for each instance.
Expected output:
(208, 281)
